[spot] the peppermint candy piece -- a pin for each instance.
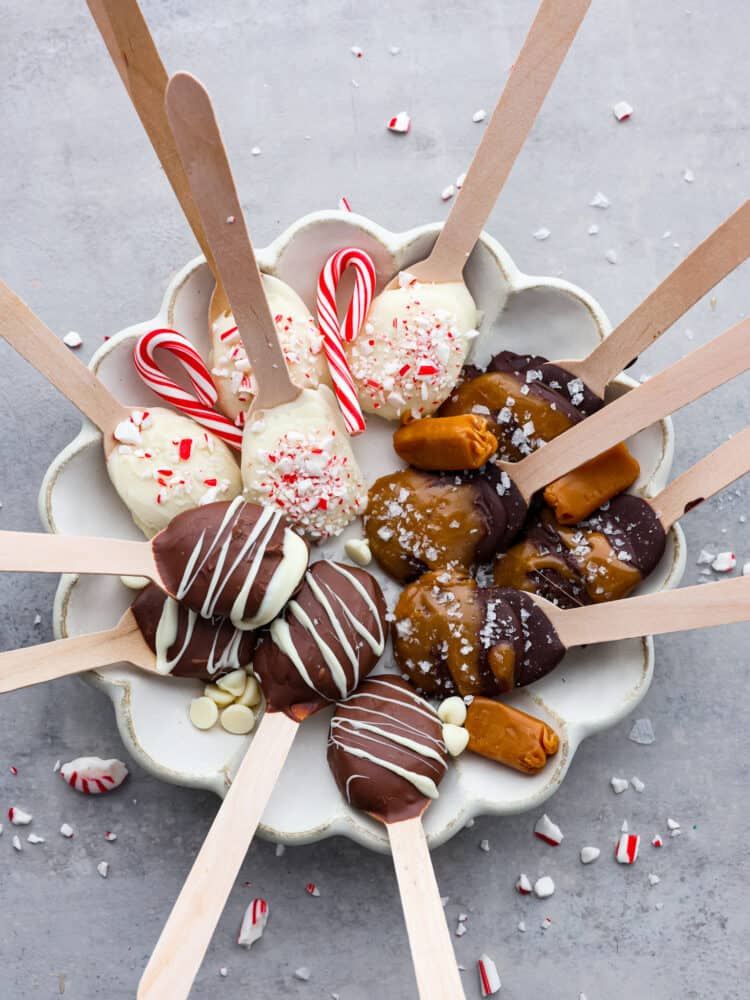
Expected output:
(489, 980)
(92, 775)
(523, 885)
(589, 854)
(548, 831)
(19, 817)
(253, 923)
(544, 887)
(626, 849)
(400, 123)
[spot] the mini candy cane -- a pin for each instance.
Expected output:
(333, 333)
(200, 409)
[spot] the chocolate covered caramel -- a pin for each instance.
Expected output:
(185, 644)
(237, 560)
(419, 521)
(386, 749)
(525, 399)
(603, 558)
(329, 637)
(454, 637)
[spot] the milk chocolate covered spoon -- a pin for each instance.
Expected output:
(522, 637)
(156, 634)
(387, 754)
(330, 636)
(295, 447)
(236, 560)
(418, 521)
(160, 462)
(607, 555)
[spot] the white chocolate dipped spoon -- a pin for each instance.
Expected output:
(701, 371)
(711, 261)
(209, 458)
(531, 76)
(285, 425)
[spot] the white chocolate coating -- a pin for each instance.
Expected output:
(412, 348)
(158, 475)
(301, 342)
(298, 459)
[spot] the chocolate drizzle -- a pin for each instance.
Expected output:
(237, 560)
(330, 636)
(386, 750)
(185, 644)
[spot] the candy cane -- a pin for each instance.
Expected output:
(200, 409)
(334, 333)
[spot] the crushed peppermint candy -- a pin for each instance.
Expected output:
(34, 838)
(460, 928)
(447, 193)
(523, 885)
(103, 868)
(479, 115)
(400, 123)
(110, 836)
(619, 785)
(312, 889)
(489, 979)
(302, 973)
(672, 824)
(66, 830)
(600, 201)
(94, 776)
(642, 732)
(637, 784)
(544, 887)
(653, 879)
(253, 923)
(589, 854)
(705, 557)
(611, 256)
(484, 845)
(622, 111)
(72, 339)
(356, 51)
(546, 923)
(657, 841)
(548, 831)
(724, 562)
(19, 817)
(542, 234)
(522, 926)
(688, 176)
(626, 849)
(16, 842)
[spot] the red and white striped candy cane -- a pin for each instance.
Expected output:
(200, 409)
(334, 333)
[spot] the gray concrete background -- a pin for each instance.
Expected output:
(90, 237)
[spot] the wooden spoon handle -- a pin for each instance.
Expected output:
(38, 345)
(432, 953)
(32, 552)
(653, 614)
(20, 668)
(715, 258)
(716, 471)
(550, 36)
(136, 58)
(179, 951)
(204, 157)
(683, 382)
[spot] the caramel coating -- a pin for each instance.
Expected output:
(579, 493)
(445, 443)
(509, 736)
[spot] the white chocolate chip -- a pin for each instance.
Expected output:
(238, 719)
(134, 582)
(221, 698)
(453, 711)
(358, 550)
(251, 696)
(203, 712)
(233, 683)
(456, 739)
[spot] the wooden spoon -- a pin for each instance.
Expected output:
(137, 60)
(531, 76)
(35, 342)
(701, 371)
(716, 257)
(36, 552)
(651, 614)
(201, 149)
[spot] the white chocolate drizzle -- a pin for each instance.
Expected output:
(411, 737)
(219, 660)
(326, 595)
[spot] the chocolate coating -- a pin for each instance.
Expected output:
(237, 560)
(329, 636)
(453, 637)
(194, 647)
(601, 559)
(418, 521)
(386, 750)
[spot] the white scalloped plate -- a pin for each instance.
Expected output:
(593, 689)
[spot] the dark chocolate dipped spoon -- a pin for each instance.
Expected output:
(387, 755)
(186, 645)
(337, 614)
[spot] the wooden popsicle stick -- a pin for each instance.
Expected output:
(652, 614)
(35, 552)
(203, 154)
(723, 466)
(136, 58)
(182, 944)
(685, 381)
(710, 262)
(38, 345)
(431, 947)
(20, 668)
(531, 76)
